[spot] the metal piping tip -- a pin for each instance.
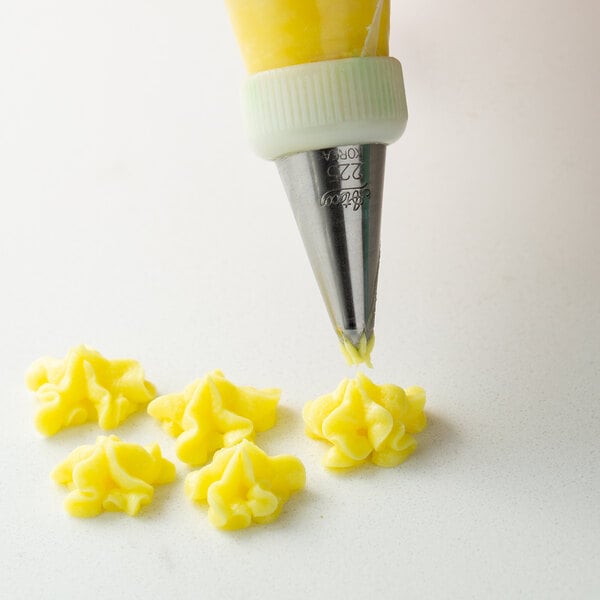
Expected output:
(336, 196)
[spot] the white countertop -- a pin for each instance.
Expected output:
(135, 219)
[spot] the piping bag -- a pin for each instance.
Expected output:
(323, 99)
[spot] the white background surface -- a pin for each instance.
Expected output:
(135, 219)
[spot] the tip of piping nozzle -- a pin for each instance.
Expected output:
(336, 196)
(357, 354)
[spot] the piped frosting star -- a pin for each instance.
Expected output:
(213, 413)
(112, 475)
(242, 485)
(362, 420)
(86, 386)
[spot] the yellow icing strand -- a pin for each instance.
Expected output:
(213, 413)
(281, 33)
(112, 476)
(356, 355)
(243, 485)
(85, 386)
(362, 420)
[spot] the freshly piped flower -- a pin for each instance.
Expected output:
(242, 485)
(362, 420)
(213, 413)
(112, 475)
(86, 386)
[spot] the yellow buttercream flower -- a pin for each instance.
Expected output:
(112, 475)
(242, 485)
(361, 420)
(85, 386)
(213, 413)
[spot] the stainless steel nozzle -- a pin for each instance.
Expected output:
(336, 195)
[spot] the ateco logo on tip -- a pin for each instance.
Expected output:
(347, 197)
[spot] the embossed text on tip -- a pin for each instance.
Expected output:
(348, 197)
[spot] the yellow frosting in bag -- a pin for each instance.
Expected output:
(213, 413)
(362, 420)
(112, 475)
(242, 485)
(85, 386)
(281, 33)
